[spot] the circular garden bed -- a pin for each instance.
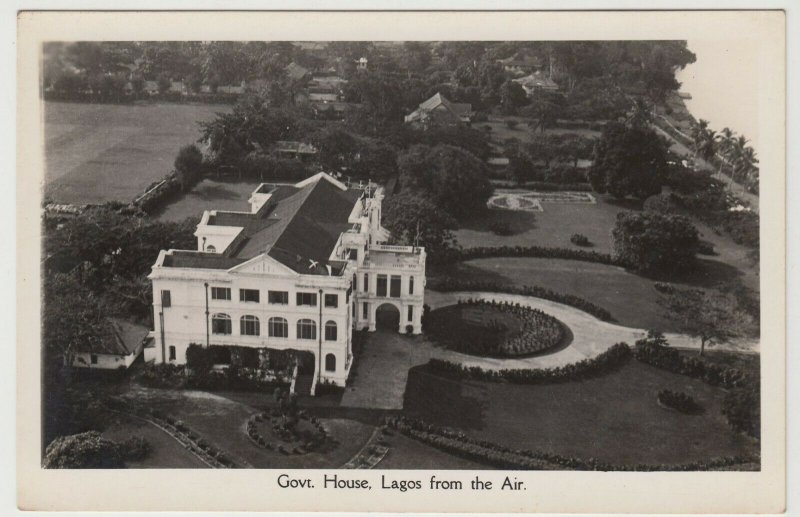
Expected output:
(288, 435)
(493, 329)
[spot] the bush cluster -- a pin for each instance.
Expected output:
(296, 441)
(742, 408)
(456, 284)
(671, 360)
(500, 228)
(603, 363)
(534, 252)
(538, 332)
(579, 239)
(506, 458)
(679, 401)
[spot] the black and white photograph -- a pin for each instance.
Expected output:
(402, 255)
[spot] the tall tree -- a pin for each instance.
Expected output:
(414, 220)
(628, 160)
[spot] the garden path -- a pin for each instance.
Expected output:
(383, 366)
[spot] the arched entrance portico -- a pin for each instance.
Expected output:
(387, 317)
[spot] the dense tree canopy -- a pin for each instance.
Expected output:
(629, 160)
(413, 219)
(453, 178)
(654, 243)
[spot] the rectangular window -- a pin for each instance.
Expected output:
(172, 355)
(365, 313)
(366, 282)
(278, 297)
(395, 286)
(352, 254)
(331, 300)
(94, 358)
(307, 299)
(410, 313)
(381, 285)
(166, 299)
(221, 293)
(249, 295)
(411, 285)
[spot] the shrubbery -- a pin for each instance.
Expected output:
(679, 401)
(651, 242)
(603, 363)
(742, 408)
(506, 458)
(500, 228)
(532, 251)
(454, 284)
(579, 239)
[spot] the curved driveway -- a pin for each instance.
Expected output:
(383, 365)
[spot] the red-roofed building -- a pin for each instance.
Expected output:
(300, 270)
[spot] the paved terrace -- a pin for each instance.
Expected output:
(382, 370)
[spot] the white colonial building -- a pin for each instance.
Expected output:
(302, 269)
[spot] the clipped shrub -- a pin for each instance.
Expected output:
(500, 228)
(679, 401)
(579, 239)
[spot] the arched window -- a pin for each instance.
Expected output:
(221, 324)
(330, 331)
(249, 326)
(278, 327)
(330, 363)
(306, 329)
(211, 249)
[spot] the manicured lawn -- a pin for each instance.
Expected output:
(407, 453)
(166, 452)
(630, 298)
(105, 152)
(500, 131)
(210, 194)
(614, 418)
(553, 227)
(222, 422)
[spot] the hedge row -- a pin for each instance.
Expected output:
(454, 284)
(671, 360)
(602, 364)
(533, 251)
(482, 451)
(543, 186)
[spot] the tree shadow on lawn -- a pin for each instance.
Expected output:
(463, 271)
(518, 221)
(625, 203)
(442, 401)
(708, 273)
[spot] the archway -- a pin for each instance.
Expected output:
(387, 317)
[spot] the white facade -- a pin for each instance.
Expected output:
(291, 310)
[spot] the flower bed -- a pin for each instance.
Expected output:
(495, 329)
(482, 451)
(608, 361)
(272, 430)
(455, 284)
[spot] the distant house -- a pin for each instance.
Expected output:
(178, 87)
(228, 88)
(329, 110)
(121, 343)
(521, 63)
(536, 82)
(439, 111)
(361, 63)
(150, 87)
(296, 72)
(295, 150)
(326, 88)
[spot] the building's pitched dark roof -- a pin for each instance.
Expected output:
(200, 260)
(452, 112)
(119, 337)
(295, 71)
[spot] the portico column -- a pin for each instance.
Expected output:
(372, 316)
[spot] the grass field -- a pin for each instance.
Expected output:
(105, 152)
(209, 195)
(614, 418)
(165, 453)
(552, 227)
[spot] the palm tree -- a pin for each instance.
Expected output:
(738, 160)
(725, 140)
